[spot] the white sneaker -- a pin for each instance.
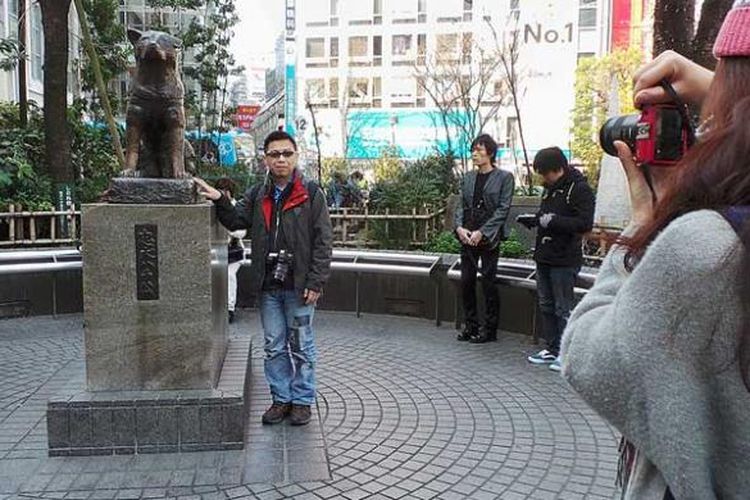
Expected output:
(543, 357)
(556, 365)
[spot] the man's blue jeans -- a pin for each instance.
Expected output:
(555, 293)
(289, 344)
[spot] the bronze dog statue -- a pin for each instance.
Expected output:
(156, 113)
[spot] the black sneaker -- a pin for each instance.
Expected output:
(484, 336)
(276, 413)
(231, 317)
(466, 334)
(300, 415)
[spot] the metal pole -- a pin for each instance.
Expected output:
(23, 105)
(356, 294)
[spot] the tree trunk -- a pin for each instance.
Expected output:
(712, 15)
(674, 25)
(58, 143)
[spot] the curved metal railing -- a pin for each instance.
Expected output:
(509, 273)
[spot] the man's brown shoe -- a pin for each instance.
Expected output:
(300, 415)
(276, 413)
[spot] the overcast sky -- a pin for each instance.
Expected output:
(260, 23)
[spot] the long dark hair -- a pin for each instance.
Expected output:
(715, 174)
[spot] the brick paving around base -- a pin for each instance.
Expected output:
(403, 411)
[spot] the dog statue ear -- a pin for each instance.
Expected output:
(134, 35)
(177, 43)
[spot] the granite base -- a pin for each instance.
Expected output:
(136, 422)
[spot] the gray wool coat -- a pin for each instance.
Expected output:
(655, 353)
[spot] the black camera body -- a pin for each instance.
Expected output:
(281, 264)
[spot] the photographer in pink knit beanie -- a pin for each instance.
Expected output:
(660, 346)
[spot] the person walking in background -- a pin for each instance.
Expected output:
(236, 249)
(660, 346)
(566, 213)
(480, 226)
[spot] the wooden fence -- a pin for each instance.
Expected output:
(352, 227)
(19, 228)
(362, 227)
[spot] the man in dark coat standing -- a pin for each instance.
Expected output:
(479, 224)
(565, 215)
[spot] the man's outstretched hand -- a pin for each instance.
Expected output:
(206, 190)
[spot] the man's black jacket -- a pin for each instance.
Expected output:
(304, 221)
(571, 200)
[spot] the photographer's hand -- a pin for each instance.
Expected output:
(641, 196)
(206, 190)
(690, 80)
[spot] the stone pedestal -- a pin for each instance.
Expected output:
(154, 288)
(160, 377)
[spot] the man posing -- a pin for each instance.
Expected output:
(486, 196)
(566, 213)
(291, 234)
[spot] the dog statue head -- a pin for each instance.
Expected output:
(155, 46)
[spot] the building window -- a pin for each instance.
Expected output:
(447, 47)
(3, 34)
(401, 45)
(37, 44)
(468, 5)
(135, 20)
(333, 88)
(467, 44)
(334, 8)
(421, 49)
(587, 14)
(316, 89)
(377, 84)
(377, 45)
(358, 46)
(335, 46)
(515, 9)
(316, 47)
(359, 88)
(377, 7)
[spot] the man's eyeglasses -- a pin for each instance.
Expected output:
(278, 154)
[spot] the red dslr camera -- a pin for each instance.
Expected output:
(659, 136)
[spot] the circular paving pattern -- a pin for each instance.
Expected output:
(406, 412)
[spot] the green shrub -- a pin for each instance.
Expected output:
(22, 181)
(513, 247)
(426, 182)
(445, 242)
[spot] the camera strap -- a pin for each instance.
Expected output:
(687, 122)
(687, 126)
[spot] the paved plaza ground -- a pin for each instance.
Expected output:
(403, 411)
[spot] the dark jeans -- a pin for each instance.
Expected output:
(484, 261)
(554, 290)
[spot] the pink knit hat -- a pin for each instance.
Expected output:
(734, 37)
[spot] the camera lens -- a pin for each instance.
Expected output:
(619, 128)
